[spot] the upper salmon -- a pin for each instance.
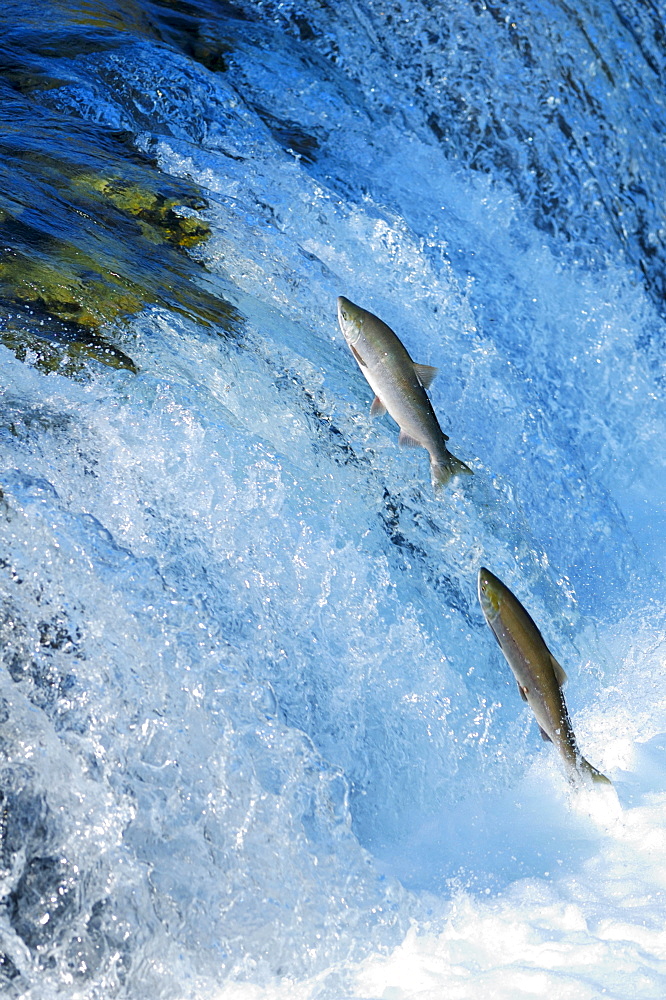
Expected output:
(540, 677)
(399, 385)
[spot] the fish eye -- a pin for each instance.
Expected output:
(344, 314)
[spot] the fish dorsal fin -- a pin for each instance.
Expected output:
(377, 409)
(544, 735)
(407, 441)
(425, 374)
(521, 690)
(560, 673)
(358, 356)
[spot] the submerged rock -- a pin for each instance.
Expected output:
(8, 970)
(92, 234)
(51, 345)
(43, 900)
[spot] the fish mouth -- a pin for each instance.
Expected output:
(488, 593)
(348, 320)
(344, 309)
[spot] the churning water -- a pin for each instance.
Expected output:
(256, 740)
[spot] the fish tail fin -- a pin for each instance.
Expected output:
(445, 470)
(584, 767)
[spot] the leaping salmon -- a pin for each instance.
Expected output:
(400, 387)
(540, 677)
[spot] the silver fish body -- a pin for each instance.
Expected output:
(399, 385)
(540, 677)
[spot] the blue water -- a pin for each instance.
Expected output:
(256, 740)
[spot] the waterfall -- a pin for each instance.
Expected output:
(256, 739)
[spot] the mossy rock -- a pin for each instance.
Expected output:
(92, 231)
(156, 213)
(58, 347)
(67, 285)
(134, 255)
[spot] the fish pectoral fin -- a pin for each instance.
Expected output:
(407, 441)
(522, 691)
(358, 356)
(426, 374)
(544, 735)
(377, 409)
(559, 671)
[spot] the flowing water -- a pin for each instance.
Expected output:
(256, 739)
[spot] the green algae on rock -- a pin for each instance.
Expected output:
(52, 345)
(92, 234)
(157, 214)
